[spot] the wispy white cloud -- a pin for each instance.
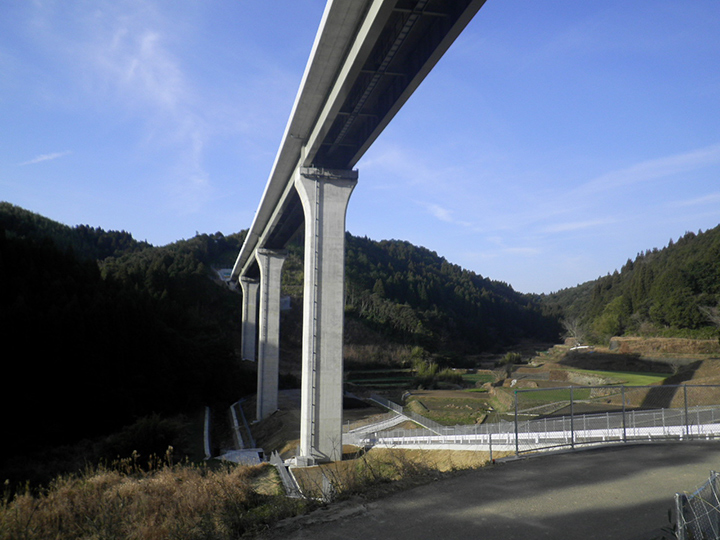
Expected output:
(134, 61)
(710, 198)
(190, 189)
(128, 55)
(45, 157)
(522, 251)
(404, 164)
(577, 225)
(497, 246)
(443, 214)
(653, 169)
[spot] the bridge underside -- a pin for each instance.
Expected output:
(399, 49)
(368, 58)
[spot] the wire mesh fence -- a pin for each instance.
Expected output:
(698, 513)
(564, 417)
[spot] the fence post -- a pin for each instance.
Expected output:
(490, 437)
(664, 432)
(624, 423)
(517, 444)
(572, 420)
(680, 525)
(687, 420)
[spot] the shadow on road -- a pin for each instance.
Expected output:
(620, 492)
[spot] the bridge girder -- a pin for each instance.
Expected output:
(367, 60)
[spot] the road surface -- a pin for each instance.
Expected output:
(619, 492)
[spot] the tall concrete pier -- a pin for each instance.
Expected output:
(369, 56)
(270, 262)
(324, 195)
(249, 317)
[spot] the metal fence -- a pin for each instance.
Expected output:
(569, 417)
(698, 513)
(428, 424)
(575, 416)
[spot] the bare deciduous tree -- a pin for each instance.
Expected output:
(712, 313)
(573, 329)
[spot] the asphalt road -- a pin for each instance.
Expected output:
(619, 492)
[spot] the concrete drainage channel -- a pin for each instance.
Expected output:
(245, 453)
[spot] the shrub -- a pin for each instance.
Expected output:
(148, 436)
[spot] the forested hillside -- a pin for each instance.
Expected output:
(88, 351)
(670, 291)
(416, 295)
(85, 241)
(101, 330)
(104, 330)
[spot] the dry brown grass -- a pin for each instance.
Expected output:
(180, 502)
(383, 470)
(674, 347)
(187, 502)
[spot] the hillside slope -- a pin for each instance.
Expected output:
(97, 352)
(660, 292)
(112, 329)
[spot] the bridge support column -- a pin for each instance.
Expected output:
(270, 263)
(248, 329)
(324, 195)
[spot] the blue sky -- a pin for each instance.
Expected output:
(554, 140)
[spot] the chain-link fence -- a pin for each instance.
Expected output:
(573, 416)
(581, 415)
(698, 513)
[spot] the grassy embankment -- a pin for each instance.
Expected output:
(188, 502)
(161, 501)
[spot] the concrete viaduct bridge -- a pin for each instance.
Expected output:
(368, 58)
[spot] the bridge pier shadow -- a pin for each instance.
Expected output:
(662, 397)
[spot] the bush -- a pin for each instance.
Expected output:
(149, 436)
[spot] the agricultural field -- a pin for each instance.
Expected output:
(479, 396)
(478, 377)
(450, 407)
(380, 378)
(627, 378)
(476, 396)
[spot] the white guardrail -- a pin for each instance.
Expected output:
(547, 433)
